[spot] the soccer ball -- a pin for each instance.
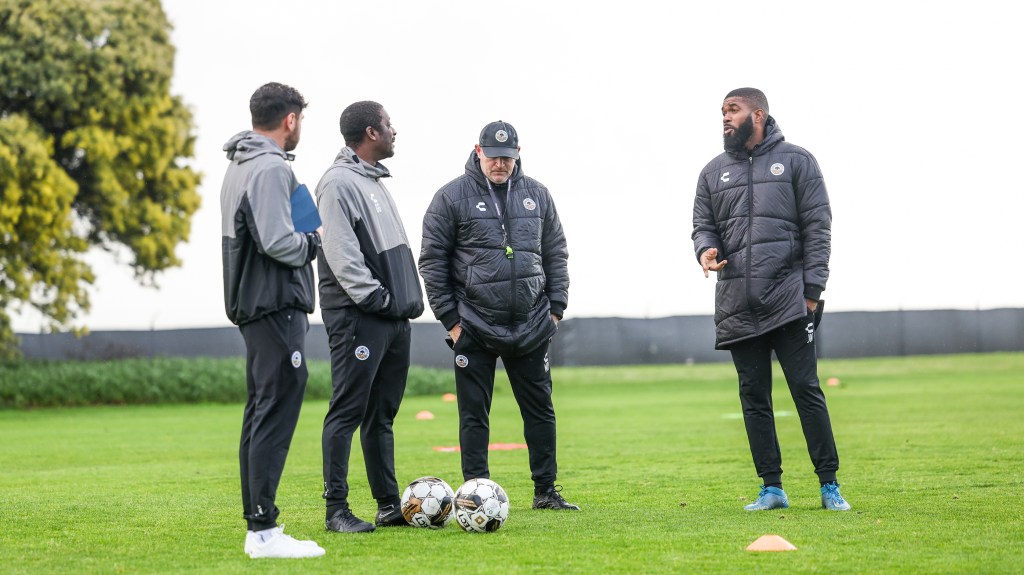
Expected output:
(481, 505)
(427, 502)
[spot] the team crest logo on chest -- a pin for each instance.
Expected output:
(529, 204)
(777, 169)
(362, 353)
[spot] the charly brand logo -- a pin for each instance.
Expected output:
(296, 360)
(777, 169)
(810, 332)
(547, 363)
(461, 360)
(362, 352)
(482, 207)
(529, 204)
(376, 204)
(501, 136)
(725, 177)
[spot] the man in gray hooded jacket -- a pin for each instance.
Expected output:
(268, 290)
(369, 290)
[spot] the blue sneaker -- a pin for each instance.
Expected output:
(831, 499)
(769, 498)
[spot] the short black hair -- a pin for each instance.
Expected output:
(271, 102)
(753, 96)
(359, 116)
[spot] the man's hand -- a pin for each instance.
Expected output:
(456, 332)
(708, 261)
(811, 304)
(554, 318)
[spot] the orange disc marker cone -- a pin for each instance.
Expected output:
(424, 415)
(448, 397)
(771, 543)
(832, 382)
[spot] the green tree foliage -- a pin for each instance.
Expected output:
(93, 150)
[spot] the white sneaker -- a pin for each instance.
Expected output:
(280, 545)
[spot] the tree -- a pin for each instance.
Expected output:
(93, 150)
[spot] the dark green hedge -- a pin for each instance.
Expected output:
(27, 384)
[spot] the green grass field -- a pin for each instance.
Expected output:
(932, 452)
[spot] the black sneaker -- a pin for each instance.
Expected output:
(391, 516)
(344, 522)
(552, 499)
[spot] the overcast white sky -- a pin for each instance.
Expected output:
(911, 108)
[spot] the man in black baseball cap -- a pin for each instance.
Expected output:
(500, 291)
(499, 140)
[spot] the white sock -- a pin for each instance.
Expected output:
(264, 535)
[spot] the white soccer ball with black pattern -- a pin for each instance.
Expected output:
(427, 502)
(481, 505)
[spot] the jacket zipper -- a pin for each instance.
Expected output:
(750, 237)
(510, 254)
(507, 243)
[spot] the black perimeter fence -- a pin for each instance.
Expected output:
(598, 341)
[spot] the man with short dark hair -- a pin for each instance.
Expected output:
(494, 263)
(369, 290)
(761, 219)
(268, 290)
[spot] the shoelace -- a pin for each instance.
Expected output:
(832, 492)
(556, 493)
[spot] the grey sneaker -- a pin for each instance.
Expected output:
(831, 499)
(769, 498)
(343, 521)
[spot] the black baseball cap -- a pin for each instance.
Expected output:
(499, 140)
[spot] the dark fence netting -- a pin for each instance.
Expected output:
(599, 341)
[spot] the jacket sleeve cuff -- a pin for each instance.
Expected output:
(812, 292)
(557, 309)
(450, 319)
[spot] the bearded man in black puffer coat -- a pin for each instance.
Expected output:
(762, 221)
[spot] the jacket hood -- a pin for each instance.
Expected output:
(474, 171)
(247, 145)
(772, 136)
(348, 159)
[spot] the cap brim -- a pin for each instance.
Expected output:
(500, 152)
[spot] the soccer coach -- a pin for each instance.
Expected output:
(762, 221)
(268, 290)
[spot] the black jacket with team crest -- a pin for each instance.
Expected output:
(503, 297)
(767, 212)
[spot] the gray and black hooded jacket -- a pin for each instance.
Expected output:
(366, 259)
(767, 212)
(266, 262)
(502, 284)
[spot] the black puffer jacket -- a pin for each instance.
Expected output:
(768, 214)
(504, 300)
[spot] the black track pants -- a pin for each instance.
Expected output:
(793, 344)
(369, 366)
(275, 371)
(530, 377)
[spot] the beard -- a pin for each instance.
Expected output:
(291, 141)
(738, 140)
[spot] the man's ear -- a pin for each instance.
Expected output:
(290, 121)
(371, 133)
